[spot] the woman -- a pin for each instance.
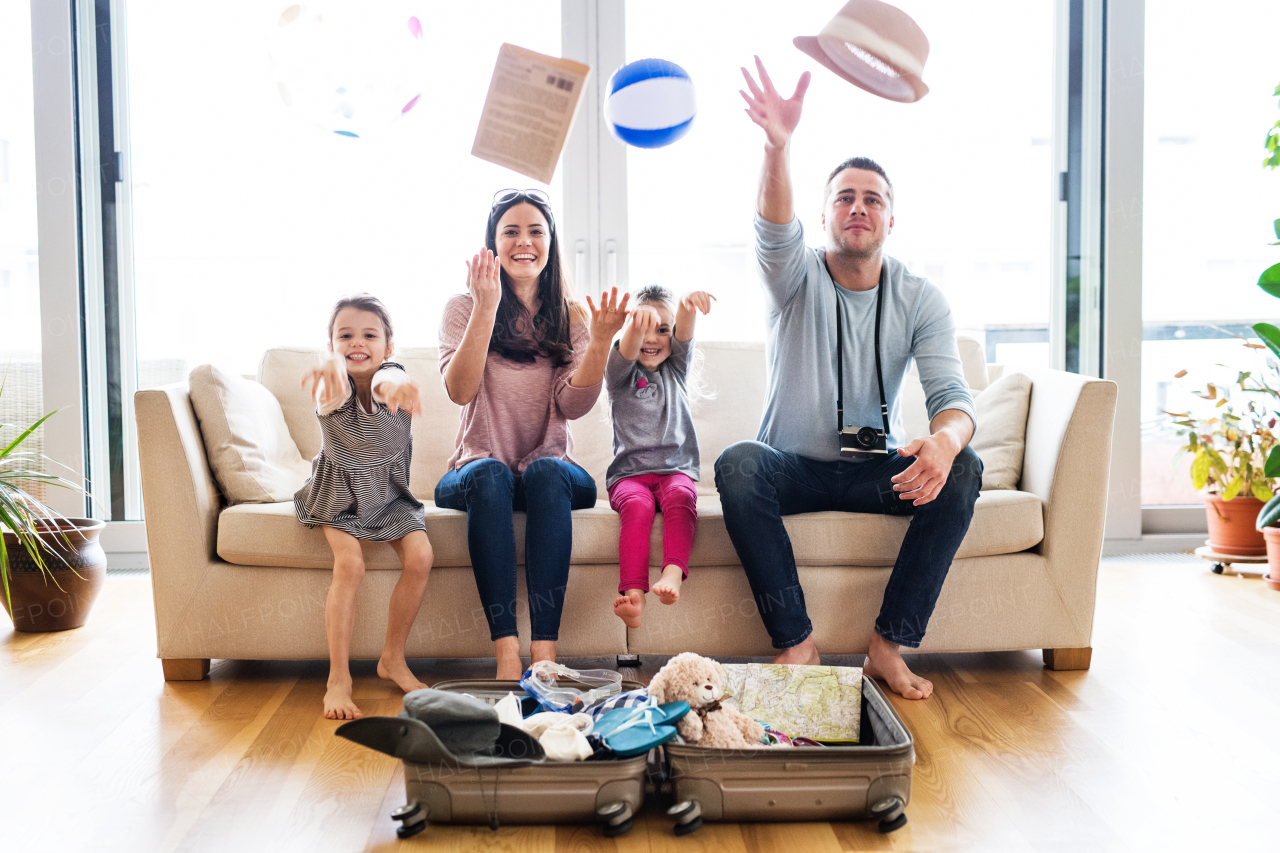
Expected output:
(523, 358)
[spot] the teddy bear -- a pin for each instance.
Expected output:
(691, 678)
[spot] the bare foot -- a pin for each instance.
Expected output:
(805, 653)
(338, 704)
(885, 663)
(397, 670)
(629, 606)
(668, 589)
(507, 650)
(542, 650)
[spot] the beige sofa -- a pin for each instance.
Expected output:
(249, 582)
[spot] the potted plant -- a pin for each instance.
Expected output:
(1269, 281)
(1230, 454)
(51, 567)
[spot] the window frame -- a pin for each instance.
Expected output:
(73, 304)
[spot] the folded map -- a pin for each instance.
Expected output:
(818, 702)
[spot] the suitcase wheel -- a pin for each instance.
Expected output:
(613, 830)
(687, 815)
(891, 813)
(897, 823)
(412, 817)
(617, 818)
(686, 828)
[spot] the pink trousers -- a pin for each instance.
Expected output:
(636, 499)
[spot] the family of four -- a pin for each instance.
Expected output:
(523, 357)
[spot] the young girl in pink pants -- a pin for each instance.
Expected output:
(654, 447)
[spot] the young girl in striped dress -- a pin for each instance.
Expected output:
(654, 446)
(359, 487)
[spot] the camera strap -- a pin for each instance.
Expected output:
(884, 406)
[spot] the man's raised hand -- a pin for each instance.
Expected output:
(778, 116)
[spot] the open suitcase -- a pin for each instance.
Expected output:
(871, 779)
(604, 792)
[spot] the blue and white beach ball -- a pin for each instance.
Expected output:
(650, 103)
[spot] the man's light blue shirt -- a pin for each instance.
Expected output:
(802, 299)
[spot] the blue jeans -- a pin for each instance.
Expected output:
(758, 485)
(548, 491)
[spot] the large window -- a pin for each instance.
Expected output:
(21, 403)
(970, 162)
(251, 216)
(1207, 213)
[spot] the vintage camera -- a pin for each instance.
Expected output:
(863, 442)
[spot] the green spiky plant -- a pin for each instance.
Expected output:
(21, 514)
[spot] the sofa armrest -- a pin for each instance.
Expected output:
(1066, 464)
(180, 500)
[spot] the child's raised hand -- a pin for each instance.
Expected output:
(484, 280)
(405, 395)
(610, 316)
(333, 373)
(646, 319)
(699, 299)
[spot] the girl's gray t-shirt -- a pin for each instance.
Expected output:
(652, 426)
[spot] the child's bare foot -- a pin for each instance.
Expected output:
(629, 606)
(885, 662)
(397, 670)
(668, 588)
(338, 704)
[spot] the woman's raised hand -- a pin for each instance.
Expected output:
(484, 280)
(333, 373)
(778, 116)
(610, 317)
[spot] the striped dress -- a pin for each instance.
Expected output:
(360, 478)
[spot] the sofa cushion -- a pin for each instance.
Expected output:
(252, 455)
(1001, 437)
(1004, 522)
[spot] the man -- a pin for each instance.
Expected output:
(796, 465)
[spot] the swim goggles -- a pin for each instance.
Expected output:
(540, 681)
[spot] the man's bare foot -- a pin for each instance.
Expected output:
(338, 704)
(804, 653)
(885, 663)
(507, 651)
(668, 589)
(629, 606)
(397, 670)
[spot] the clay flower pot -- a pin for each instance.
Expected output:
(1232, 527)
(43, 603)
(1272, 577)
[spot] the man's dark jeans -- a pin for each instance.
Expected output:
(548, 491)
(758, 485)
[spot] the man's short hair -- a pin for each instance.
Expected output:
(857, 163)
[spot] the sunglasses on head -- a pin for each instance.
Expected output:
(504, 196)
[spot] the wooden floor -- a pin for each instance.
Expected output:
(1168, 743)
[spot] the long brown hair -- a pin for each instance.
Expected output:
(551, 324)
